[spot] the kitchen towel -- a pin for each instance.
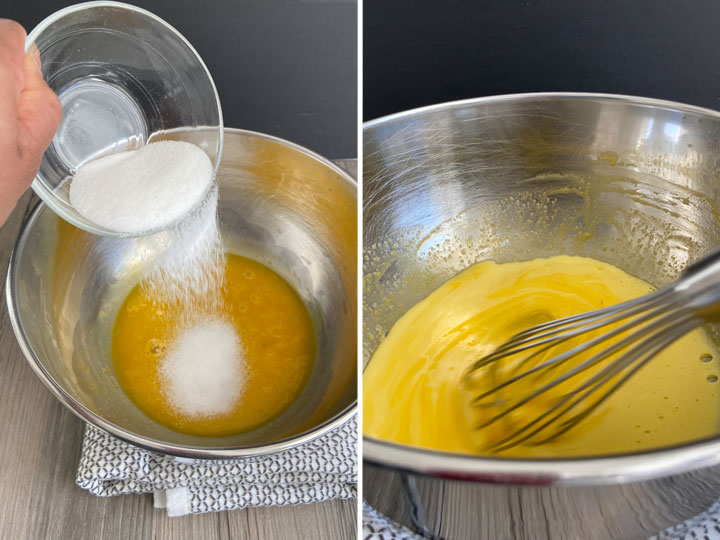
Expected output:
(704, 526)
(378, 527)
(322, 469)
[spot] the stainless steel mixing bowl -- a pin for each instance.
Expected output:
(629, 181)
(281, 205)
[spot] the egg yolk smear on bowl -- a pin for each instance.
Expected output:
(416, 393)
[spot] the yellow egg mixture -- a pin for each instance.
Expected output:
(414, 385)
(272, 324)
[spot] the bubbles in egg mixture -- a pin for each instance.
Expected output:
(156, 347)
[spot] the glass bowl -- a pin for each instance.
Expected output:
(125, 78)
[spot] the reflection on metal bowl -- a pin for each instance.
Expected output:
(628, 181)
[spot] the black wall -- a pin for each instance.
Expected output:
(423, 52)
(283, 67)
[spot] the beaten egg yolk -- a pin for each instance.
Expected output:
(272, 324)
(415, 391)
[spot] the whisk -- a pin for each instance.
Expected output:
(618, 341)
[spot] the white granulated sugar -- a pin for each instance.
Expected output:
(204, 369)
(149, 188)
(190, 262)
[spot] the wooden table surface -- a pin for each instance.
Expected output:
(40, 444)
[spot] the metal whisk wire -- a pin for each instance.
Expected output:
(572, 326)
(641, 328)
(521, 343)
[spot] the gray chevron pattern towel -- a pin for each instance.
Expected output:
(320, 470)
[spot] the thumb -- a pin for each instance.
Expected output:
(39, 113)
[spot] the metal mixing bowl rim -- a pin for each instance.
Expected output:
(594, 470)
(45, 192)
(541, 96)
(148, 443)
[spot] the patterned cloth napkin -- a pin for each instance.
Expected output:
(705, 526)
(378, 527)
(320, 470)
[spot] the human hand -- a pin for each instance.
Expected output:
(30, 114)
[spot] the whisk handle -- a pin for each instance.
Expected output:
(700, 285)
(711, 263)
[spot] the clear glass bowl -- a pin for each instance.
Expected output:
(124, 77)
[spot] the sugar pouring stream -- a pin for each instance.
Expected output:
(578, 362)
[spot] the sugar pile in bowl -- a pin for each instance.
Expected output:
(204, 370)
(169, 183)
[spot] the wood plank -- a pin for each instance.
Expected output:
(334, 520)
(193, 526)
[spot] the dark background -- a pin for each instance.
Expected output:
(423, 52)
(283, 67)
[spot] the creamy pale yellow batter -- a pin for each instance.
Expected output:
(413, 385)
